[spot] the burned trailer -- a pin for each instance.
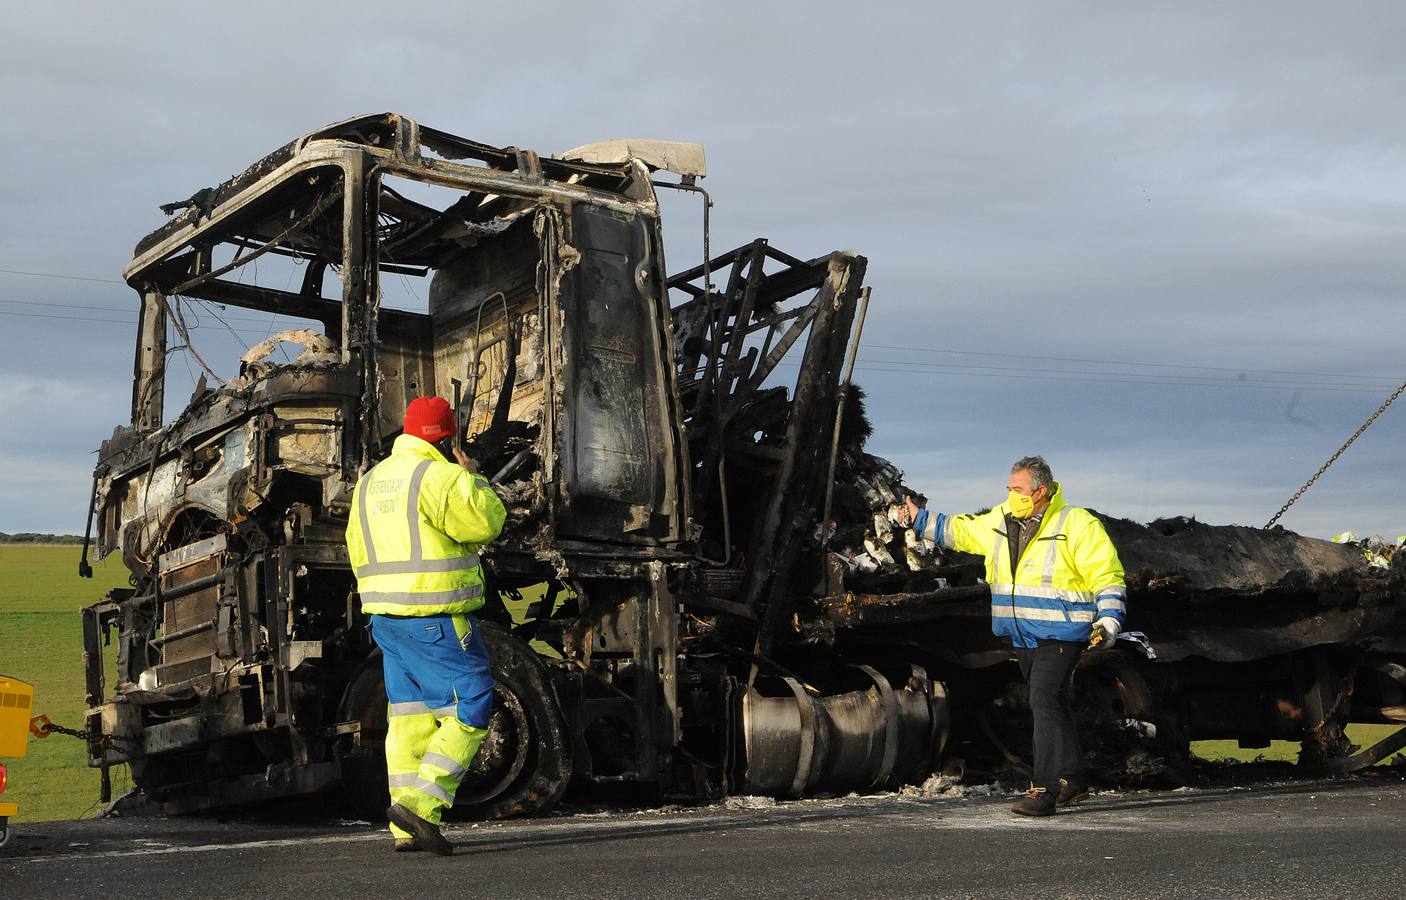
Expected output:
(1241, 634)
(662, 487)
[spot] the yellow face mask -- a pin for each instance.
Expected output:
(1020, 505)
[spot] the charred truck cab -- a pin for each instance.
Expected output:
(661, 595)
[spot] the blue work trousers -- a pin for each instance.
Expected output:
(440, 692)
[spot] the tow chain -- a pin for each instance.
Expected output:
(41, 727)
(1334, 458)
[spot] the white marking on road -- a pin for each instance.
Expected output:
(164, 849)
(497, 831)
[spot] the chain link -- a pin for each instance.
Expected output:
(42, 727)
(1334, 458)
(51, 728)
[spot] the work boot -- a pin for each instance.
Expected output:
(406, 845)
(1070, 793)
(426, 834)
(1036, 802)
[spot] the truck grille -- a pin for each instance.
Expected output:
(185, 657)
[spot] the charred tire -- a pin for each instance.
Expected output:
(1112, 688)
(1115, 708)
(524, 764)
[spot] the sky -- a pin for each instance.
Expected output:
(1160, 244)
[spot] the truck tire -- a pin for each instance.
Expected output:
(524, 764)
(1120, 721)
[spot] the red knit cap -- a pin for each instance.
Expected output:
(429, 418)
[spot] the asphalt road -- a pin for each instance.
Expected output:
(1320, 839)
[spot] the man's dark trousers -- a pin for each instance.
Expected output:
(1049, 670)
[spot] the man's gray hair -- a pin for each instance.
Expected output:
(1040, 475)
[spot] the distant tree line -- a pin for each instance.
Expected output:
(29, 537)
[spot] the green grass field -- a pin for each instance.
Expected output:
(41, 641)
(1288, 751)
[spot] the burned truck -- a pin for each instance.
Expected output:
(701, 588)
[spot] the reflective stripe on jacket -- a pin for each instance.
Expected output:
(1068, 576)
(417, 523)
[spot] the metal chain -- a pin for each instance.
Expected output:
(1334, 458)
(51, 728)
(42, 727)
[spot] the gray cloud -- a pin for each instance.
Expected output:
(1192, 184)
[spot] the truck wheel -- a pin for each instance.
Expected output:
(5, 832)
(1122, 724)
(524, 763)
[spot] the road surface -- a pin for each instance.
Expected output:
(1320, 839)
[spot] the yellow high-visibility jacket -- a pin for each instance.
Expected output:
(416, 526)
(1068, 575)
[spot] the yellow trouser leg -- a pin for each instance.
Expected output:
(441, 768)
(407, 737)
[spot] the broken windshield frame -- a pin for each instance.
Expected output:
(161, 268)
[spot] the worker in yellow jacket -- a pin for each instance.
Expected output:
(417, 524)
(1056, 587)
